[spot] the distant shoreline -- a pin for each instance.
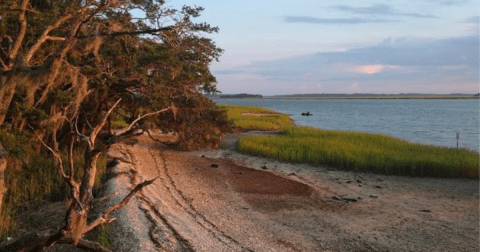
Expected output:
(378, 97)
(357, 97)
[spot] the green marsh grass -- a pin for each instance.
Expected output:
(269, 119)
(363, 152)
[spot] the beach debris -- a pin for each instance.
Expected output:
(349, 181)
(241, 173)
(203, 156)
(292, 174)
(214, 165)
(378, 186)
(380, 179)
(360, 176)
(350, 199)
(359, 181)
(346, 198)
(373, 196)
(307, 114)
(425, 211)
(360, 185)
(263, 167)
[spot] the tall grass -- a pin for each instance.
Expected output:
(30, 184)
(269, 119)
(362, 152)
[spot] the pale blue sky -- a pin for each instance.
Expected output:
(281, 47)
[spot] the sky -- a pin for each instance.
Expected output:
(275, 47)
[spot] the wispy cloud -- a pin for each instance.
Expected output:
(313, 20)
(380, 9)
(450, 2)
(473, 20)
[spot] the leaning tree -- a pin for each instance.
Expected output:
(69, 68)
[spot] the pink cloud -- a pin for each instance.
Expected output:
(373, 69)
(370, 69)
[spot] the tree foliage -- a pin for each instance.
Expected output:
(59, 57)
(69, 68)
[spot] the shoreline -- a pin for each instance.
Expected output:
(446, 97)
(257, 204)
(249, 203)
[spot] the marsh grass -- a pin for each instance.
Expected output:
(36, 181)
(363, 152)
(269, 119)
(103, 236)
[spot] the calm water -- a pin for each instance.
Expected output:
(431, 122)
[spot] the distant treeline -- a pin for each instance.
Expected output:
(378, 96)
(350, 96)
(244, 95)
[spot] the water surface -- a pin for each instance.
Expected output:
(429, 122)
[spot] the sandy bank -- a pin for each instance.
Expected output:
(225, 201)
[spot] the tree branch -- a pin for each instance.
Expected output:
(45, 36)
(128, 33)
(21, 34)
(85, 244)
(129, 127)
(99, 127)
(38, 241)
(160, 141)
(32, 11)
(69, 179)
(55, 154)
(105, 216)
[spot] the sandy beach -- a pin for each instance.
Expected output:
(225, 201)
(221, 200)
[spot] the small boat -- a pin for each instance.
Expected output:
(307, 114)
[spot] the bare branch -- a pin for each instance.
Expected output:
(105, 216)
(99, 127)
(38, 241)
(55, 153)
(70, 158)
(129, 127)
(160, 141)
(44, 37)
(21, 33)
(3, 64)
(88, 123)
(28, 10)
(102, 199)
(85, 244)
(127, 33)
(56, 38)
(84, 138)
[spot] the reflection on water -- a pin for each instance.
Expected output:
(432, 122)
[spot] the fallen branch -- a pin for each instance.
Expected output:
(105, 216)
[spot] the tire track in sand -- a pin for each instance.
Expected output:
(176, 224)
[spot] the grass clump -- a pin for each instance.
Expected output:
(363, 152)
(254, 118)
(103, 236)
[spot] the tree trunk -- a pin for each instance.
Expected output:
(7, 91)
